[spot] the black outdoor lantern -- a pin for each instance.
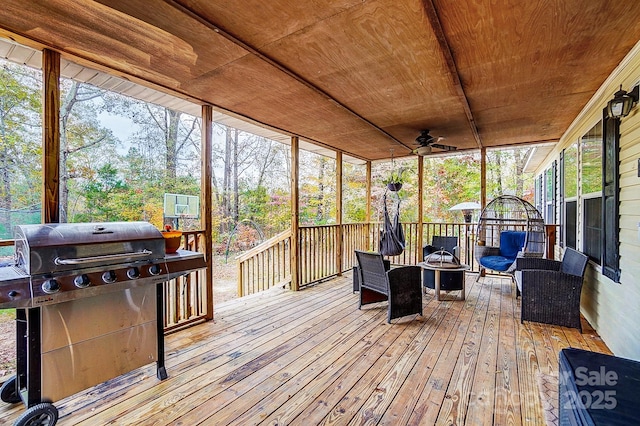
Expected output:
(622, 102)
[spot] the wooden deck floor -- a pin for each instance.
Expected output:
(311, 357)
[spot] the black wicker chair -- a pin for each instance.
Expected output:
(400, 286)
(439, 242)
(551, 289)
(449, 280)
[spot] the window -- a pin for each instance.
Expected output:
(593, 228)
(550, 194)
(591, 147)
(569, 195)
(538, 193)
(571, 223)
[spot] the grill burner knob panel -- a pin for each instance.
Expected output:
(82, 281)
(109, 277)
(155, 269)
(133, 273)
(51, 286)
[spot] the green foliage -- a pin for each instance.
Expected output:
(104, 196)
(571, 171)
(592, 160)
(114, 177)
(20, 142)
(395, 176)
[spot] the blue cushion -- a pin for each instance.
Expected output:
(496, 263)
(511, 242)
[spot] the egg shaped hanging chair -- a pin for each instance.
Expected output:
(508, 227)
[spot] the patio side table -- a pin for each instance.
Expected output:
(438, 268)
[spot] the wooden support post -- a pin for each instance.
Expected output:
(51, 136)
(295, 214)
(339, 236)
(551, 241)
(483, 192)
(483, 177)
(206, 205)
(368, 201)
(419, 242)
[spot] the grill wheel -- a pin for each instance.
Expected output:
(44, 414)
(9, 391)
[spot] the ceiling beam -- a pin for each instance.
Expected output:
(257, 53)
(436, 27)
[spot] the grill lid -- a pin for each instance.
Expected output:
(58, 247)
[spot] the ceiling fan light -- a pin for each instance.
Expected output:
(423, 150)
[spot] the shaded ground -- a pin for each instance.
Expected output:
(225, 279)
(7, 344)
(225, 288)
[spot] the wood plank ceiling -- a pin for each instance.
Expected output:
(360, 76)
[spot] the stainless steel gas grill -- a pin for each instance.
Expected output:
(89, 302)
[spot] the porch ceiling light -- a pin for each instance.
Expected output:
(622, 102)
(423, 150)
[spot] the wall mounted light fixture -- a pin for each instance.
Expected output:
(622, 102)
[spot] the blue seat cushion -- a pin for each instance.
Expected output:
(511, 242)
(496, 263)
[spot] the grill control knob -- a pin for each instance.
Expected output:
(13, 294)
(155, 269)
(133, 273)
(51, 286)
(109, 277)
(82, 281)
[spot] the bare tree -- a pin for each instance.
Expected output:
(78, 132)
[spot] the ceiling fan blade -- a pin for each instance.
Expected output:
(444, 147)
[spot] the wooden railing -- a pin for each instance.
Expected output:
(318, 245)
(186, 296)
(356, 236)
(265, 266)
(268, 265)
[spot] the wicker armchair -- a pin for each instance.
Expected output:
(551, 289)
(449, 280)
(438, 242)
(401, 286)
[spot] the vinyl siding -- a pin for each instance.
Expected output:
(613, 309)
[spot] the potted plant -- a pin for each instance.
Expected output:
(395, 180)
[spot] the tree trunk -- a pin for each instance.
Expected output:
(235, 178)
(320, 209)
(499, 173)
(5, 193)
(172, 120)
(65, 111)
(226, 180)
(520, 157)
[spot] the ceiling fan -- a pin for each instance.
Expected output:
(428, 142)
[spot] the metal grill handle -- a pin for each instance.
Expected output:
(104, 258)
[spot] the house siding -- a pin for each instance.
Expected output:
(612, 308)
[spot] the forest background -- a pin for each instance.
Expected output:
(119, 156)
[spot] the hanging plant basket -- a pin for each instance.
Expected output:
(394, 186)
